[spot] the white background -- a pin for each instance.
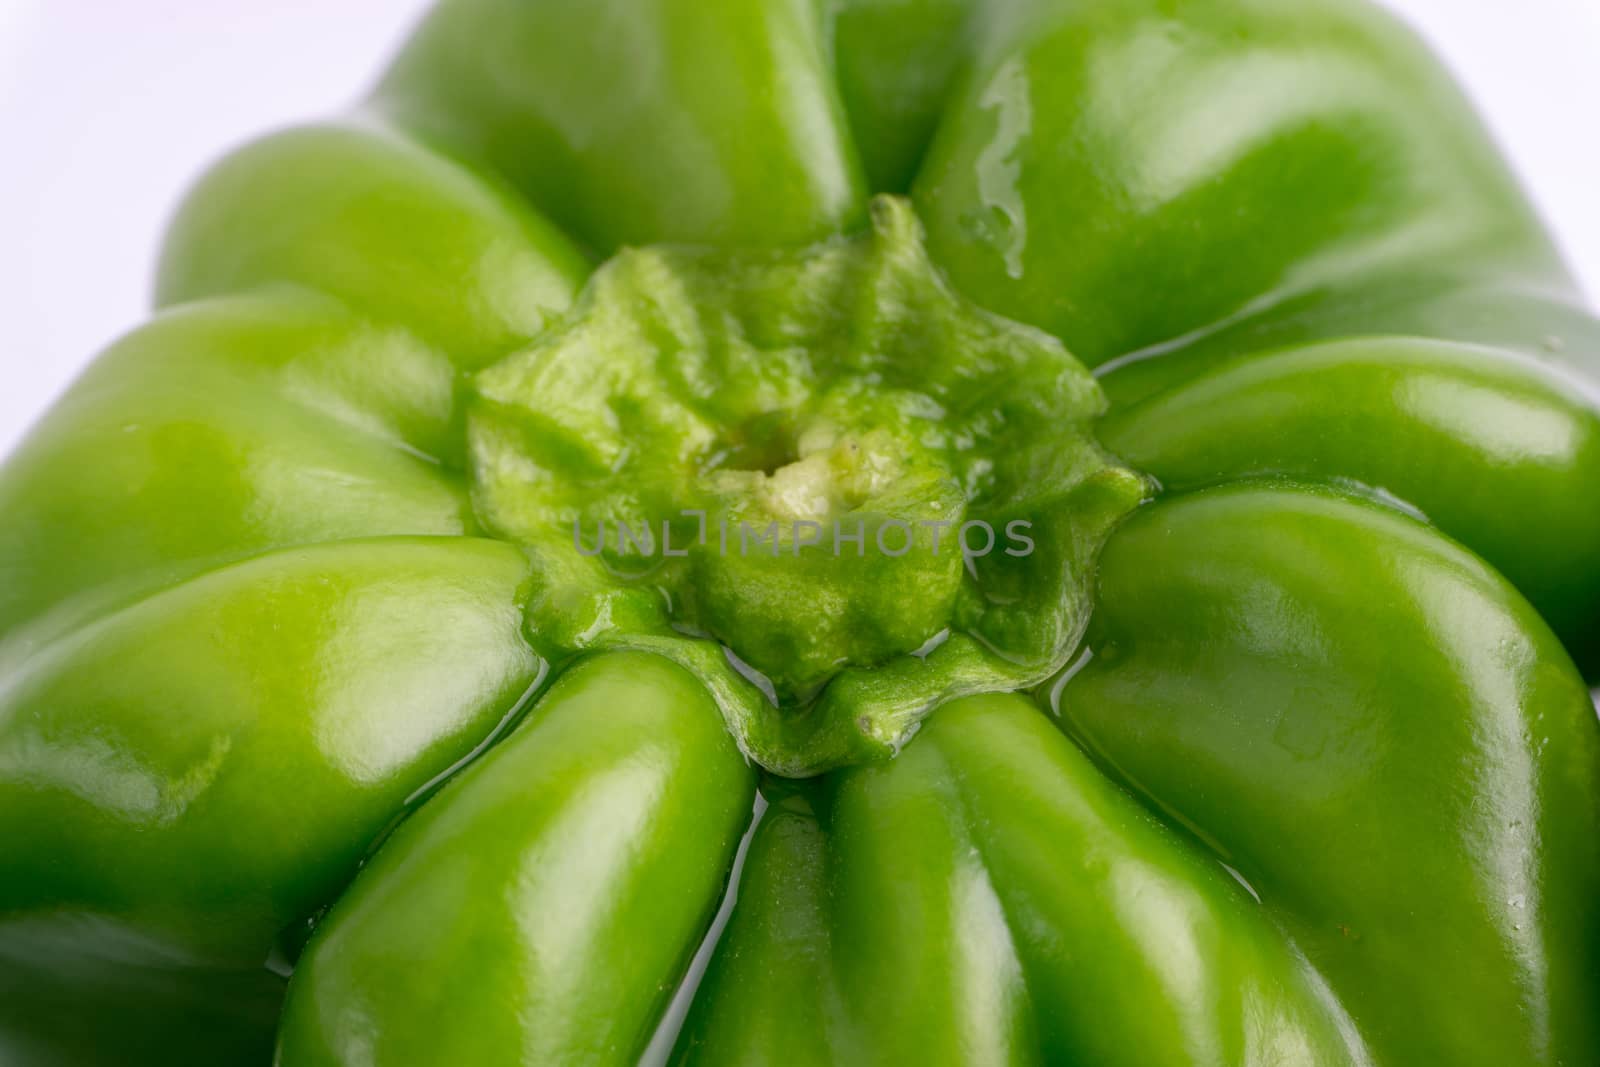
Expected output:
(108, 108)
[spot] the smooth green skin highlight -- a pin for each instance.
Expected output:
(615, 809)
(220, 430)
(1081, 219)
(1416, 756)
(1498, 451)
(990, 897)
(633, 123)
(186, 780)
(369, 217)
(1399, 725)
(252, 612)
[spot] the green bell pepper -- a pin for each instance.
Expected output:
(824, 531)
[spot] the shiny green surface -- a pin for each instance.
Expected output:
(641, 121)
(187, 779)
(1418, 760)
(1497, 451)
(283, 576)
(568, 876)
(990, 897)
(1313, 144)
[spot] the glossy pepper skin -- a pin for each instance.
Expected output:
(322, 744)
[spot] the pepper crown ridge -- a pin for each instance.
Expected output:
(845, 406)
